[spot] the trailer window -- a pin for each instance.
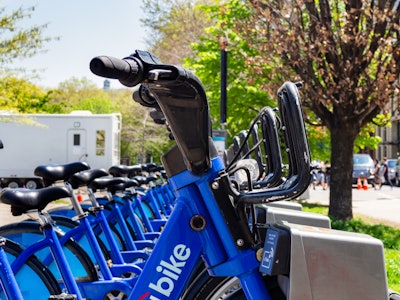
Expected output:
(77, 139)
(100, 142)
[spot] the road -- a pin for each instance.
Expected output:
(381, 205)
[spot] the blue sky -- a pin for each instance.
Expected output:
(86, 28)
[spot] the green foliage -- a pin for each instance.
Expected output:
(174, 25)
(95, 105)
(244, 91)
(392, 260)
(366, 137)
(141, 137)
(247, 77)
(19, 95)
(16, 41)
(77, 93)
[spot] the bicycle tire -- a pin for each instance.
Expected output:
(82, 266)
(41, 283)
(148, 210)
(206, 287)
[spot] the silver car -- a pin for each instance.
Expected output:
(363, 167)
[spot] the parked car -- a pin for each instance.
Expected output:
(363, 167)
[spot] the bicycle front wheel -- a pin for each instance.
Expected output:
(34, 279)
(206, 287)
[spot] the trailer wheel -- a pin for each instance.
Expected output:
(13, 184)
(31, 184)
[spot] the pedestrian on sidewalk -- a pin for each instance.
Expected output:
(377, 181)
(386, 173)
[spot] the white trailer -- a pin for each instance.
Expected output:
(31, 140)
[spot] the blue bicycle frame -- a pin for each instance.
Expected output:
(195, 229)
(7, 279)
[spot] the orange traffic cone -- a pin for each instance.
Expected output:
(359, 185)
(79, 196)
(365, 185)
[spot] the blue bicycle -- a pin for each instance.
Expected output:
(209, 220)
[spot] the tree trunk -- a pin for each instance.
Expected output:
(340, 198)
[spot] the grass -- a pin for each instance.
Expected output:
(392, 259)
(389, 236)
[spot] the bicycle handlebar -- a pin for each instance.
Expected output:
(176, 91)
(128, 71)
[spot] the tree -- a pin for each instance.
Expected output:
(173, 25)
(245, 97)
(347, 54)
(141, 138)
(200, 50)
(17, 42)
(19, 95)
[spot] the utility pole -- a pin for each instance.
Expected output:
(219, 136)
(223, 43)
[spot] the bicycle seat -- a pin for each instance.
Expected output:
(55, 172)
(141, 179)
(151, 167)
(84, 178)
(122, 170)
(106, 183)
(23, 200)
(164, 174)
(122, 186)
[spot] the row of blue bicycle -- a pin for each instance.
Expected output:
(105, 240)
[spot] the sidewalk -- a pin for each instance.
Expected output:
(6, 217)
(381, 205)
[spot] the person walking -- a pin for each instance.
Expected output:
(386, 172)
(377, 182)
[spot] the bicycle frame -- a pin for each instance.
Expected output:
(96, 289)
(122, 209)
(7, 279)
(196, 228)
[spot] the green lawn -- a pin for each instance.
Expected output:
(389, 236)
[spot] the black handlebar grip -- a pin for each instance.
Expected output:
(128, 70)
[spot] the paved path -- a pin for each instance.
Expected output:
(382, 205)
(6, 217)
